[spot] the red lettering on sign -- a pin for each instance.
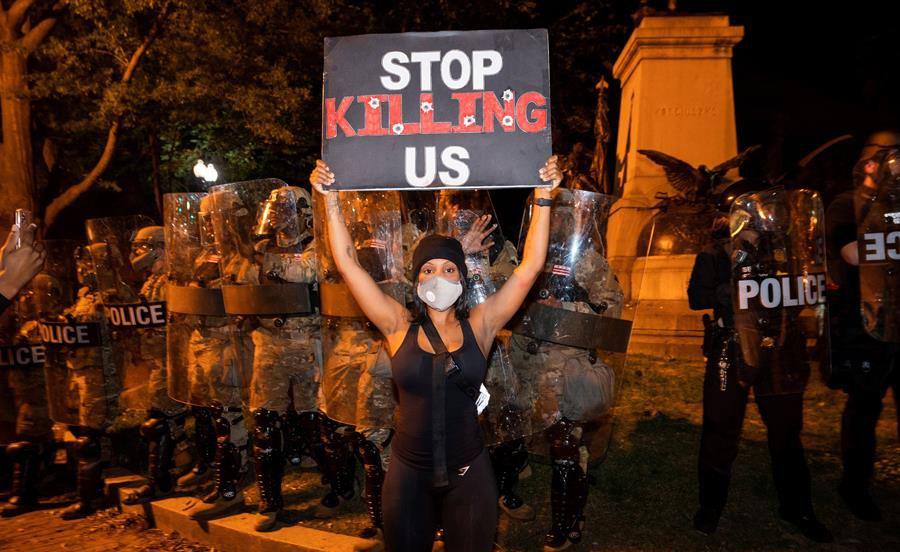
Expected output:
(539, 122)
(337, 118)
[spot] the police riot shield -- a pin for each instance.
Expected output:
(80, 368)
(202, 366)
(22, 352)
(778, 294)
(134, 303)
(569, 340)
(505, 417)
(356, 381)
(263, 231)
(878, 227)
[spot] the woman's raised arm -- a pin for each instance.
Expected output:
(496, 311)
(381, 309)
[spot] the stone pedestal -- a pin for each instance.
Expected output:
(677, 98)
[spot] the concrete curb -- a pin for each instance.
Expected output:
(235, 533)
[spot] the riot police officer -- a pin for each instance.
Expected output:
(863, 303)
(747, 251)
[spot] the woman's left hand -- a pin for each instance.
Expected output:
(550, 172)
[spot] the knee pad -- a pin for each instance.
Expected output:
(308, 422)
(154, 429)
(88, 447)
(267, 432)
(21, 450)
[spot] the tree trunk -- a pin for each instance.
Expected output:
(16, 168)
(154, 162)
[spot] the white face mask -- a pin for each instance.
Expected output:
(439, 293)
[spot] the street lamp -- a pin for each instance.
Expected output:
(207, 172)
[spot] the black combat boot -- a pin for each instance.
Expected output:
(568, 490)
(90, 476)
(339, 465)
(26, 469)
(269, 461)
(369, 455)
(509, 459)
(226, 496)
(158, 433)
(205, 441)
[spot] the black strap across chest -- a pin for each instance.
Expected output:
(453, 373)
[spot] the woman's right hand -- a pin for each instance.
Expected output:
(321, 177)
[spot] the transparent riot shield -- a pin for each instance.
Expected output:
(570, 339)
(356, 384)
(201, 361)
(134, 303)
(778, 294)
(263, 231)
(417, 210)
(506, 417)
(23, 353)
(878, 230)
(81, 369)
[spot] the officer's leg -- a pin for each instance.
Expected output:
(370, 446)
(509, 459)
(783, 416)
(205, 441)
(339, 464)
(231, 452)
(861, 413)
(569, 485)
(269, 462)
(308, 437)
(90, 476)
(724, 406)
(25, 457)
(160, 433)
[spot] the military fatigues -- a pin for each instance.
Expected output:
(93, 377)
(31, 444)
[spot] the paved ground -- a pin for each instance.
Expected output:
(44, 531)
(642, 497)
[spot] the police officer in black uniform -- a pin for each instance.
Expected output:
(725, 397)
(863, 366)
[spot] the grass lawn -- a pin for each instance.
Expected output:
(646, 491)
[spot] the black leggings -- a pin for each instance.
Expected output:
(467, 508)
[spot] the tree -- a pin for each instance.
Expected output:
(22, 30)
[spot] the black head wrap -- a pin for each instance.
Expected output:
(436, 246)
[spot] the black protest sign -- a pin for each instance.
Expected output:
(437, 110)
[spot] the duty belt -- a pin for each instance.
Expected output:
(572, 329)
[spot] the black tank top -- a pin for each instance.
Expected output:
(411, 369)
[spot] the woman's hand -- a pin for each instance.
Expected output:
(473, 240)
(321, 177)
(20, 265)
(550, 172)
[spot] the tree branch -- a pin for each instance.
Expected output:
(73, 192)
(34, 37)
(37, 34)
(17, 12)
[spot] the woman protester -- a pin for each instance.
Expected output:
(440, 468)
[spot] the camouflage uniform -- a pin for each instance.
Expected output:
(566, 361)
(260, 265)
(164, 426)
(92, 377)
(32, 442)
